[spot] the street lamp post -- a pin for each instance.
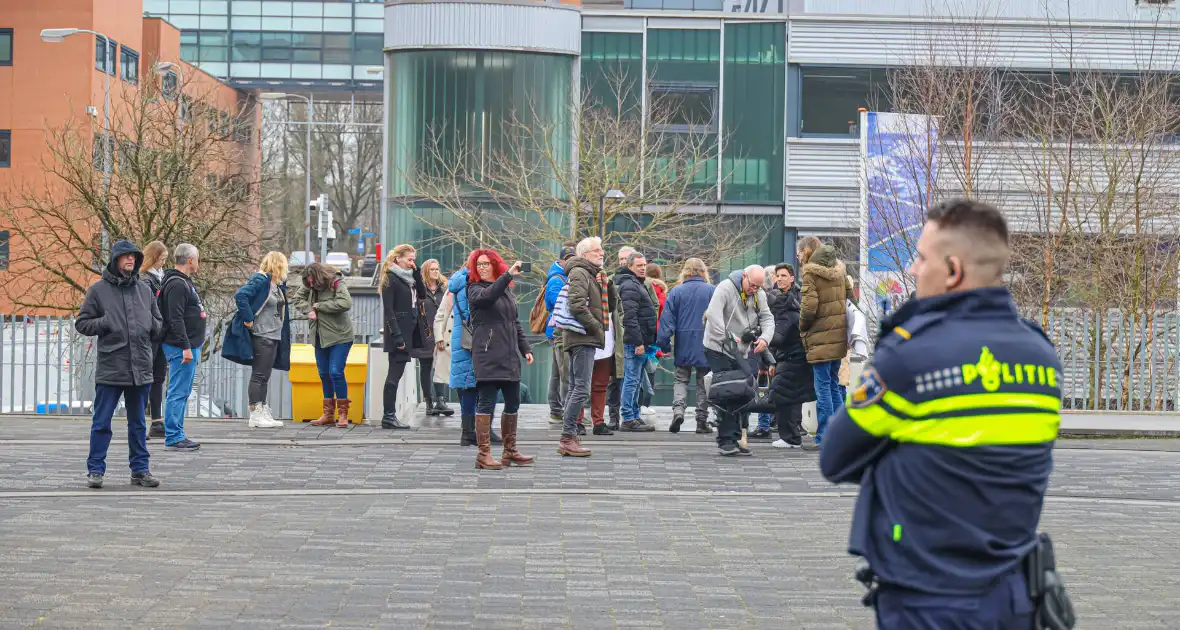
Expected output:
(610, 194)
(282, 96)
(57, 35)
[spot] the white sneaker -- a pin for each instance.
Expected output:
(647, 412)
(783, 444)
(259, 419)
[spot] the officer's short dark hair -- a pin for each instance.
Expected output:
(788, 266)
(970, 215)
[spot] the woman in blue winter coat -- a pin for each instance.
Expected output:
(462, 368)
(683, 318)
(260, 333)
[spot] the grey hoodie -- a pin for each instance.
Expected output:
(728, 317)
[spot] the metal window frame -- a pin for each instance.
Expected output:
(132, 61)
(11, 46)
(686, 88)
(6, 162)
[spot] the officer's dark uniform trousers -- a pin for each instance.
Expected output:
(950, 436)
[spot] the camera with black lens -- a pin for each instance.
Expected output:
(750, 335)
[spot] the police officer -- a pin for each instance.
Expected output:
(950, 436)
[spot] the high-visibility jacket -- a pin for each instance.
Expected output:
(950, 436)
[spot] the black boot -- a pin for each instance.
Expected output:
(468, 436)
(389, 421)
(428, 398)
(440, 401)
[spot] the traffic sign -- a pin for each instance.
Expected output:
(354, 231)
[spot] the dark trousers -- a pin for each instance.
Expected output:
(580, 360)
(1006, 607)
(106, 399)
(614, 395)
(467, 401)
(159, 377)
(790, 423)
(487, 396)
(729, 424)
(426, 379)
(261, 369)
(392, 378)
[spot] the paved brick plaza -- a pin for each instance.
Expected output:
(304, 527)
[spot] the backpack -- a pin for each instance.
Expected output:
(539, 315)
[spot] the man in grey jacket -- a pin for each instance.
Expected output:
(738, 317)
(121, 311)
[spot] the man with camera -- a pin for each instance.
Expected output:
(738, 317)
(950, 436)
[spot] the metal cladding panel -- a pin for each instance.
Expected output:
(539, 28)
(834, 208)
(827, 163)
(1000, 43)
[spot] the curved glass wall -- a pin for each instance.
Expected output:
(466, 109)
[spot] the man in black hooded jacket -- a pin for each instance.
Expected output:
(121, 311)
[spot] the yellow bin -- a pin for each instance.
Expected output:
(307, 394)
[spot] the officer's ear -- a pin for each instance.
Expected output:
(954, 269)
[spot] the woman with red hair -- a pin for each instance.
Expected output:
(495, 341)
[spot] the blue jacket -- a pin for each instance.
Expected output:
(950, 436)
(684, 313)
(237, 346)
(553, 283)
(462, 369)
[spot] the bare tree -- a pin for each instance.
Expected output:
(182, 171)
(538, 188)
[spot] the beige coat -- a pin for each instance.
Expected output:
(823, 315)
(444, 320)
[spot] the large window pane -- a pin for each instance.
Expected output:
(5, 47)
(684, 74)
(247, 47)
(832, 96)
(612, 69)
(460, 109)
(368, 50)
(755, 105)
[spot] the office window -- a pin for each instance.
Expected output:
(214, 46)
(127, 156)
(5, 149)
(104, 54)
(755, 102)
(190, 46)
(170, 85)
(832, 96)
(99, 157)
(4, 239)
(337, 48)
(247, 46)
(612, 70)
(5, 47)
(368, 50)
(684, 108)
(130, 62)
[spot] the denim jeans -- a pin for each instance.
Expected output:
(632, 372)
(330, 363)
(827, 394)
(467, 399)
(106, 398)
(180, 387)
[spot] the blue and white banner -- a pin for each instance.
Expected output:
(899, 156)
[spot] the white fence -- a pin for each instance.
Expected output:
(46, 367)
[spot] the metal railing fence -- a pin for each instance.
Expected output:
(1110, 362)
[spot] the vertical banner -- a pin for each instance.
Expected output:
(899, 164)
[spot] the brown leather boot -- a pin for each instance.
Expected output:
(570, 446)
(511, 455)
(483, 437)
(342, 405)
(329, 413)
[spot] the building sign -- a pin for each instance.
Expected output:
(758, 6)
(898, 156)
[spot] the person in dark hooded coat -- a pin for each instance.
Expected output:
(121, 311)
(793, 377)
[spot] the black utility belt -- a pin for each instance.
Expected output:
(1054, 610)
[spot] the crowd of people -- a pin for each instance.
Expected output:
(609, 329)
